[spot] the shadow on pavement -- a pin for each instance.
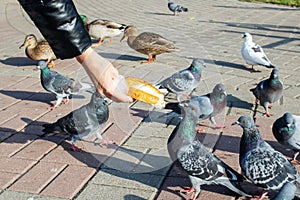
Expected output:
(19, 61)
(122, 57)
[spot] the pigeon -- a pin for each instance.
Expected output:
(287, 192)
(86, 120)
(269, 91)
(59, 84)
(260, 163)
(286, 129)
(209, 104)
(212, 104)
(201, 165)
(253, 54)
(185, 80)
(175, 8)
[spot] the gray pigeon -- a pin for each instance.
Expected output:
(212, 104)
(185, 80)
(175, 8)
(202, 166)
(254, 54)
(260, 163)
(287, 192)
(268, 91)
(286, 130)
(88, 119)
(59, 84)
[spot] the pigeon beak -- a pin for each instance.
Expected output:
(243, 36)
(288, 126)
(235, 123)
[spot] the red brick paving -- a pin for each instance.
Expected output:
(30, 162)
(69, 182)
(37, 178)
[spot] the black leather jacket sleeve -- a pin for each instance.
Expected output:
(60, 24)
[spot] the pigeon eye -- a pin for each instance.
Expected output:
(244, 121)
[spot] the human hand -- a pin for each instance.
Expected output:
(105, 76)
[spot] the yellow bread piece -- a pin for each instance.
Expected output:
(144, 91)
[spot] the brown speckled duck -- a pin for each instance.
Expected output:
(147, 43)
(38, 50)
(101, 29)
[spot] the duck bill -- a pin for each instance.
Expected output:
(123, 38)
(22, 46)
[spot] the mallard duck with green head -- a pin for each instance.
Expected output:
(38, 50)
(148, 43)
(101, 29)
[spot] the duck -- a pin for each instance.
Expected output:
(102, 28)
(147, 43)
(38, 50)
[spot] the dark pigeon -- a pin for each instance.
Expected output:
(176, 8)
(260, 163)
(202, 166)
(268, 91)
(286, 129)
(83, 121)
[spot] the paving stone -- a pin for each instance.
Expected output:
(125, 159)
(109, 192)
(7, 179)
(149, 142)
(6, 101)
(126, 119)
(119, 178)
(73, 177)
(171, 187)
(211, 30)
(19, 195)
(35, 180)
(7, 81)
(82, 158)
(156, 161)
(145, 131)
(36, 150)
(15, 143)
(33, 129)
(5, 133)
(13, 165)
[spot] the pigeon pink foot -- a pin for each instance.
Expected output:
(75, 148)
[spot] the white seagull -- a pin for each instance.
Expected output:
(254, 54)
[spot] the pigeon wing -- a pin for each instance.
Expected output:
(268, 168)
(62, 84)
(179, 82)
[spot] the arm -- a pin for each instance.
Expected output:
(61, 25)
(105, 76)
